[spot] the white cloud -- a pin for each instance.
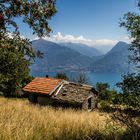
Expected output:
(104, 45)
(81, 39)
(12, 35)
(104, 42)
(127, 39)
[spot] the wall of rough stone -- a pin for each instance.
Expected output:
(93, 101)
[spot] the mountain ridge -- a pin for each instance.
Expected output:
(82, 48)
(57, 57)
(61, 58)
(116, 60)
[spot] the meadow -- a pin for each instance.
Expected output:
(21, 120)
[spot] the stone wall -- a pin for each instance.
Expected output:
(93, 102)
(76, 94)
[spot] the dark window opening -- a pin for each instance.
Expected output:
(64, 94)
(89, 103)
(32, 98)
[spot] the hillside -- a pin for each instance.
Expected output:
(83, 49)
(20, 120)
(57, 57)
(62, 58)
(116, 60)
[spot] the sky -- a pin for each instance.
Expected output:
(92, 22)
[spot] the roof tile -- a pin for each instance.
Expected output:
(42, 85)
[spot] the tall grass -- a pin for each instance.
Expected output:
(20, 120)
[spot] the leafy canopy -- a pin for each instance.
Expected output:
(16, 52)
(36, 13)
(131, 82)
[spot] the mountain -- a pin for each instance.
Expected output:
(120, 46)
(61, 58)
(116, 60)
(58, 58)
(83, 49)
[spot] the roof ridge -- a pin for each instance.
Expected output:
(79, 84)
(47, 78)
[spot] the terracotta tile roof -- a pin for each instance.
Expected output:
(42, 85)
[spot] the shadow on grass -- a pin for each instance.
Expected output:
(130, 118)
(129, 111)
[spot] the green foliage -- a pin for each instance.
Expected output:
(16, 53)
(14, 67)
(131, 82)
(107, 96)
(62, 76)
(14, 64)
(102, 86)
(130, 85)
(35, 13)
(131, 89)
(131, 21)
(104, 93)
(102, 89)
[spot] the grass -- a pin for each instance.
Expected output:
(20, 120)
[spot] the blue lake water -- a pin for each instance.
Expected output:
(110, 78)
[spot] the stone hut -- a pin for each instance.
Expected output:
(58, 92)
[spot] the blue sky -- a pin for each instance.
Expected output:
(91, 19)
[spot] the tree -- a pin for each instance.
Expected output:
(16, 53)
(131, 89)
(102, 86)
(131, 82)
(62, 76)
(131, 21)
(105, 93)
(35, 13)
(80, 78)
(103, 90)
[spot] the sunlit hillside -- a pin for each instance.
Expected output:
(20, 120)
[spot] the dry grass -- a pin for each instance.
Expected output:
(20, 120)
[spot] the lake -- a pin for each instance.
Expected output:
(110, 78)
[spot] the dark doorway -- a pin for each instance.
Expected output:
(89, 103)
(32, 98)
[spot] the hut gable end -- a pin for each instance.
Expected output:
(78, 94)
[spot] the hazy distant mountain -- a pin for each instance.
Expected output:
(83, 49)
(103, 48)
(62, 58)
(120, 46)
(57, 57)
(116, 60)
